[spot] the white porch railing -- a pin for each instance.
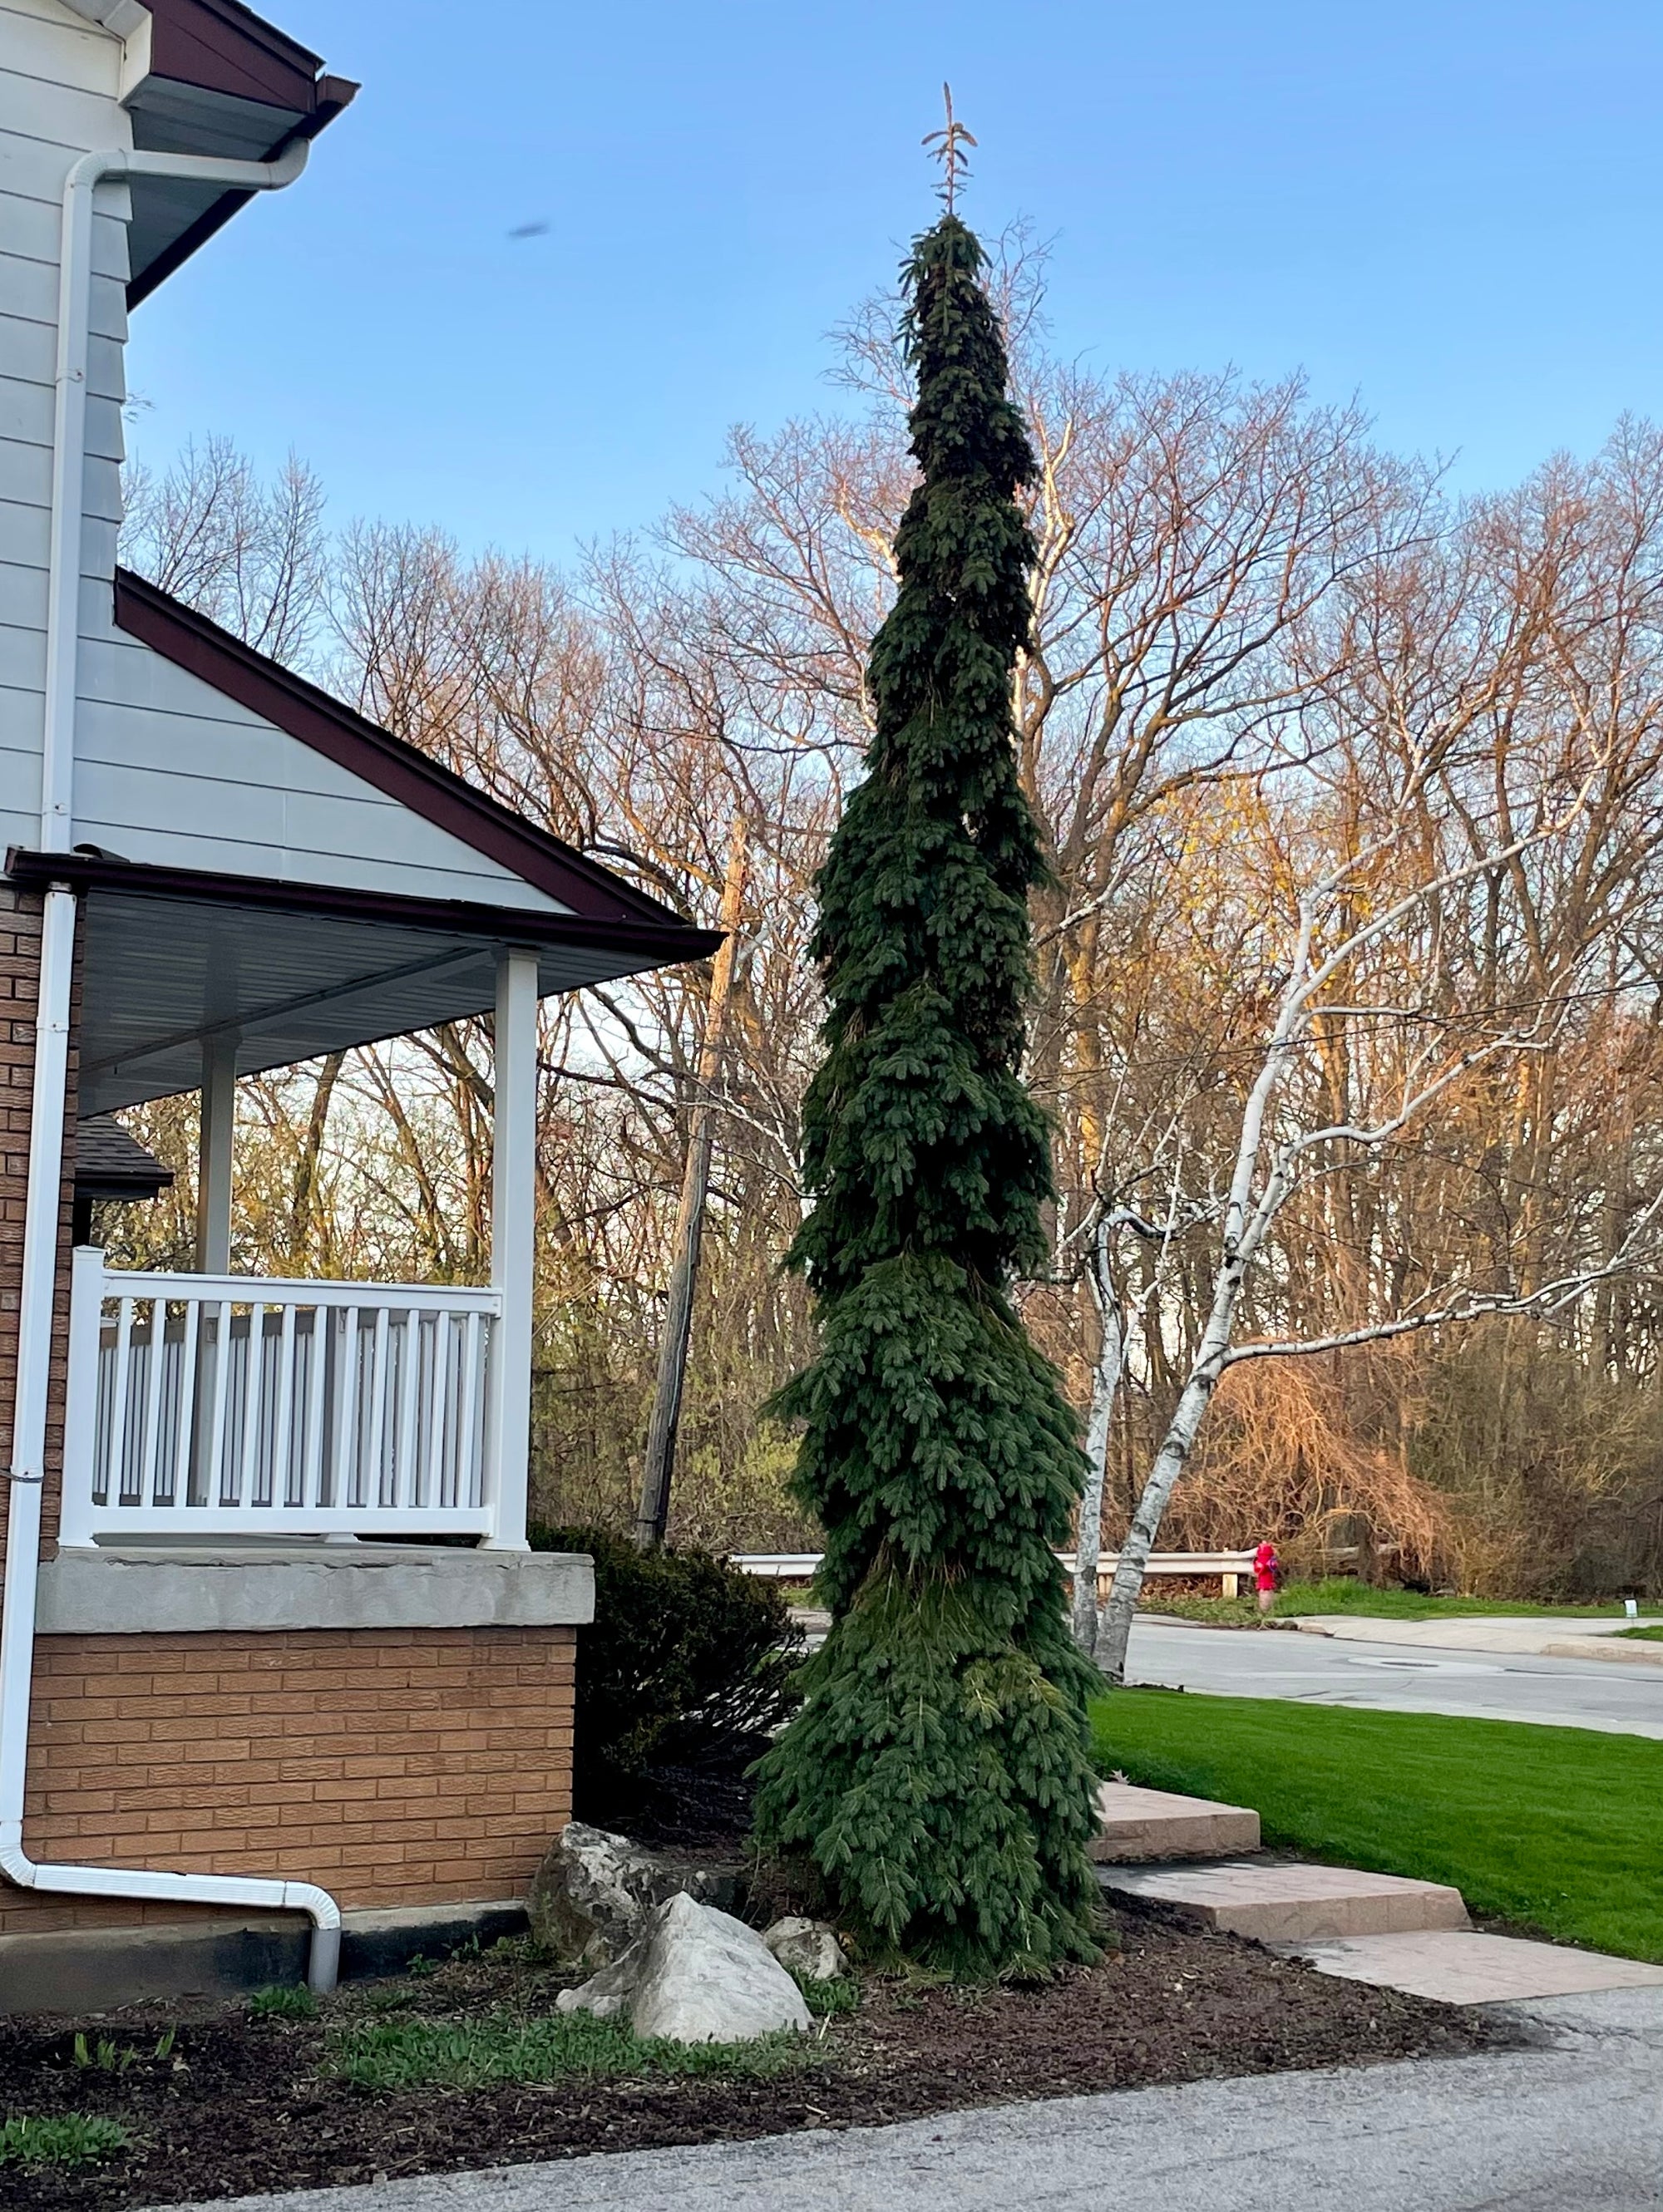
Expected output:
(233, 1406)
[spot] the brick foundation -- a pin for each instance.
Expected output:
(395, 1766)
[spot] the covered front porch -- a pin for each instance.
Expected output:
(234, 1408)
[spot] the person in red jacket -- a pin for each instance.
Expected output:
(1267, 1575)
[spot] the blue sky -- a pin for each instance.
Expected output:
(1452, 211)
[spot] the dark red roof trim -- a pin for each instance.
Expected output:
(224, 47)
(400, 770)
(661, 942)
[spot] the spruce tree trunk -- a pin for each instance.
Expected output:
(939, 1773)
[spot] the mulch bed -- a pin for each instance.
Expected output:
(236, 2106)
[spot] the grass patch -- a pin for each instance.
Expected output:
(283, 2001)
(417, 2054)
(1553, 1828)
(1340, 1594)
(64, 2139)
(827, 1999)
(1642, 1635)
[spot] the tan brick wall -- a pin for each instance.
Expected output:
(395, 1766)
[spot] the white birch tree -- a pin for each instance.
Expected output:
(1273, 1159)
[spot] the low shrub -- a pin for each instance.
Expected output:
(682, 1677)
(60, 2139)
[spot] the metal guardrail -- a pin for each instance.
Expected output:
(1227, 1567)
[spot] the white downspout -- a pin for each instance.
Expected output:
(50, 1096)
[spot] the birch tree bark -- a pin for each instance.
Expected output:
(1105, 1385)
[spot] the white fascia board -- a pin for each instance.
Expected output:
(122, 18)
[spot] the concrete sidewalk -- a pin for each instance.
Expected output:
(1575, 2124)
(1541, 1636)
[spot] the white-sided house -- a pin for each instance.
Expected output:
(239, 1676)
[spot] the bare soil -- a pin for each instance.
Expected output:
(237, 2105)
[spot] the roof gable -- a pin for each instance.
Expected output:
(387, 764)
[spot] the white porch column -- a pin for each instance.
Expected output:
(219, 1106)
(513, 1240)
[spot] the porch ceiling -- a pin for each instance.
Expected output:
(295, 971)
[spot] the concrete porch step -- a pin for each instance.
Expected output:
(1460, 1967)
(1276, 1902)
(1137, 1823)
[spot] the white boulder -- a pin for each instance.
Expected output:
(806, 1948)
(694, 1975)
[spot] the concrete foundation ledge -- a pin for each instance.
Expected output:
(172, 1592)
(85, 1970)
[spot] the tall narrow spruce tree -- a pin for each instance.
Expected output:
(938, 1771)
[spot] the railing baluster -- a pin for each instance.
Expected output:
(124, 1318)
(215, 1471)
(433, 1481)
(149, 1439)
(282, 1435)
(184, 1424)
(374, 1478)
(469, 1489)
(346, 1411)
(317, 1364)
(404, 1477)
(253, 1382)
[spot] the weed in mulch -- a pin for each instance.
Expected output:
(64, 2139)
(378, 2084)
(283, 2001)
(826, 2000)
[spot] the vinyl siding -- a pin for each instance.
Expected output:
(167, 771)
(57, 97)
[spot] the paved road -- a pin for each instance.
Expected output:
(1588, 1693)
(1574, 2125)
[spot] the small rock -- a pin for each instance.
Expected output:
(589, 1897)
(694, 1975)
(609, 1992)
(806, 1948)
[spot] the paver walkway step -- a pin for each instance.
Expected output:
(1278, 1902)
(1463, 1967)
(1135, 1824)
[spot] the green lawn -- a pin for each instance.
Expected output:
(1643, 1635)
(1556, 1829)
(1341, 1595)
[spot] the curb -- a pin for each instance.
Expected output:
(1605, 1647)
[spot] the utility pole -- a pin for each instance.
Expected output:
(653, 1516)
